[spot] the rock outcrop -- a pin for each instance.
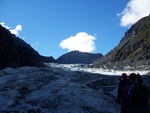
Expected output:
(75, 57)
(133, 49)
(14, 52)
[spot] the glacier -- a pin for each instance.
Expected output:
(58, 88)
(106, 71)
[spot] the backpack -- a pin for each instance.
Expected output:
(138, 94)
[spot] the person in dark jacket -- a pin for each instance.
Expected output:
(128, 106)
(123, 82)
(140, 80)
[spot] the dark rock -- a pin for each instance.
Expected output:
(48, 59)
(75, 57)
(14, 52)
(133, 49)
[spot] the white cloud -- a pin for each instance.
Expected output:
(16, 30)
(81, 41)
(13, 31)
(135, 10)
(35, 44)
(23, 38)
(3, 24)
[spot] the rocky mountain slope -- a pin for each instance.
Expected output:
(75, 57)
(133, 49)
(14, 52)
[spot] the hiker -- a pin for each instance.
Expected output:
(140, 80)
(135, 97)
(123, 82)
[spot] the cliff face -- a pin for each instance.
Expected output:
(14, 52)
(134, 48)
(75, 57)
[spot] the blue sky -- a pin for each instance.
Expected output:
(54, 27)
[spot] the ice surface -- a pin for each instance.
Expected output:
(52, 90)
(59, 88)
(84, 68)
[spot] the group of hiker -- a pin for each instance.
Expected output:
(133, 94)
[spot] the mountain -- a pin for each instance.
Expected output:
(133, 49)
(75, 57)
(48, 59)
(14, 52)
